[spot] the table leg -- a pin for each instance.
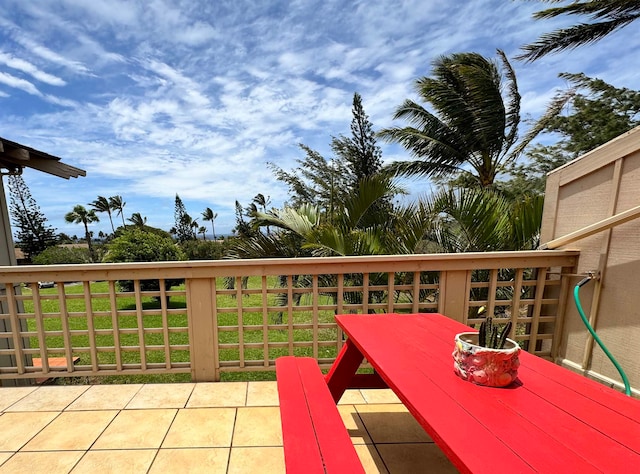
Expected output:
(343, 369)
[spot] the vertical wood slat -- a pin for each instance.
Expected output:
(115, 324)
(365, 293)
(340, 310)
(391, 292)
(38, 315)
(314, 284)
(290, 312)
(265, 323)
(416, 292)
(240, 314)
(15, 327)
(165, 324)
(515, 301)
(491, 297)
(142, 349)
(537, 308)
(64, 318)
(90, 326)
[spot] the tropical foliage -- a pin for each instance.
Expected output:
(596, 113)
(474, 127)
(101, 204)
(33, 234)
(80, 215)
(116, 203)
(210, 216)
(603, 18)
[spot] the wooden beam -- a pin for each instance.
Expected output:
(19, 154)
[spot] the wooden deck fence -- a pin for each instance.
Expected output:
(239, 315)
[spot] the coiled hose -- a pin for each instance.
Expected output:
(576, 297)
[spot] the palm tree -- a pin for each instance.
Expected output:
(474, 126)
(137, 220)
(483, 220)
(81, 215)
(606, 16)
(209, 215)
(117, 204)
(203, 230)
(101, 204)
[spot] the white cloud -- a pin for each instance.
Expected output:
(19, 83)
(49, 55)
(28, 68)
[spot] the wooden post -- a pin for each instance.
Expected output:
(203, 330)
(454, 295)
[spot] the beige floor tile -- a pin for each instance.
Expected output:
(172, 395)
(352, 397)
(377, 395)
(184, 461)
(10, 395)
(71, 431)
(354, 424)
(252, 460)
(412, 458)
(370, 459)
(262, 394)
(16, 429)
(136, 429)
(201, 428)
(257, 426)
(52, 398)
(105, 397)
(389, 423)
(4, 457)
(216, 394)
(58, 462)
(118, 461)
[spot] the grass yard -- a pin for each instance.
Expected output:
(128, 331)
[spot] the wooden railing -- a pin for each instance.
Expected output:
(209, 317)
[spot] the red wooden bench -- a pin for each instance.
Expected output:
(314, 436)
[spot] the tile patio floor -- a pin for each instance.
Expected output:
(230, 427)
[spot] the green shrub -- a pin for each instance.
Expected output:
(204, 249)
(137, 245)
(62, 255)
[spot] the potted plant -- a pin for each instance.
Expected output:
(487, 357)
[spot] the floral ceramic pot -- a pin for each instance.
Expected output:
(484, 366)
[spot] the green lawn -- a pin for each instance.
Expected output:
(128, 331)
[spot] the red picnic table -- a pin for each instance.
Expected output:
(549, 420)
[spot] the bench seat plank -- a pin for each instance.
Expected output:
(315, 438)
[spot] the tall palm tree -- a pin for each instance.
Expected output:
(101, 204)
(117, 204)
(209, 215)
(475, 124)
(80, 215)
(604, 17)
(137, 220)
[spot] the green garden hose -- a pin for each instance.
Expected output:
(576, 296)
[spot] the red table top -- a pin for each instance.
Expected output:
(549, 420)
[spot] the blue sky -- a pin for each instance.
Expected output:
(158, 97)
